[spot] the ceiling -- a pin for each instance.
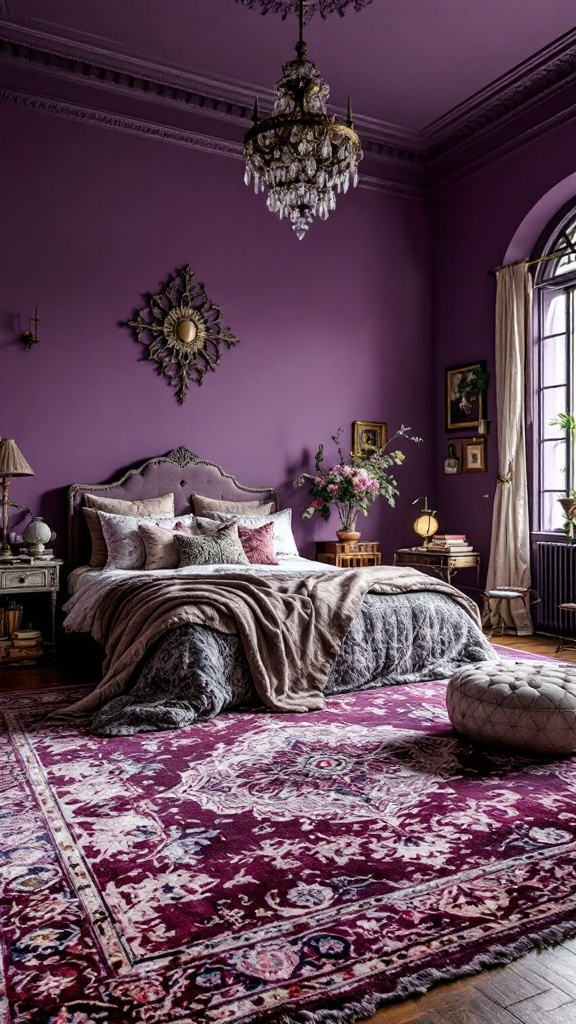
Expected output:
(406, 63)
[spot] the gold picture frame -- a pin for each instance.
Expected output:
(367, 435)
(474, 455)
(465, 400)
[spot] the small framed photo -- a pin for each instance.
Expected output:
(367, 436)
(474, 454)
(465, 395)
(452, 462)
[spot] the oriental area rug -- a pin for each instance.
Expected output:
(270, 869)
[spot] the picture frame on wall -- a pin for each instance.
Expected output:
(452, 462)
(465, 395)
(474, 455)
(367, 435)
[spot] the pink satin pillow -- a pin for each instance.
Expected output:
(258, 544)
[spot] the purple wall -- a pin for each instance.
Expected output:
(332, 329)
(494, 216)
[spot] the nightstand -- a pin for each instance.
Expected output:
(444, 563)
(348, 554)
(39, 576)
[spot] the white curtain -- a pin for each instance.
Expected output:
(509, 563)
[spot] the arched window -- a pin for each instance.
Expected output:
(555, 374)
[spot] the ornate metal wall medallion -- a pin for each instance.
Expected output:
(182, 331)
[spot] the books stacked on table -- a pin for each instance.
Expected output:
(450, 543)
(25, 647)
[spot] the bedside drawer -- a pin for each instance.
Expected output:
(25, 577)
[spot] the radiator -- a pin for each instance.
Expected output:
(556, 583)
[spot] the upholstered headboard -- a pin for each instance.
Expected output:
(180, 472)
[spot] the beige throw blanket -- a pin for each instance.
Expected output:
(291, 627)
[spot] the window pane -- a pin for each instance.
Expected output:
(553, 402)
(554, 361)
(554, 307)
(552, 516)
(554, 466)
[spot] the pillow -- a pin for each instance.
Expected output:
(284, 543)
(258, 543)
(160, 546)
(99, 550)
(164, 505)
(205, 506)
(142, 507)
(123, 540)
(219, 548)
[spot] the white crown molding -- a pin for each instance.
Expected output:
(165, 133)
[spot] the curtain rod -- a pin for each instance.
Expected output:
(529, 263)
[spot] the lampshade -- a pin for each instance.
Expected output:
(12, 462)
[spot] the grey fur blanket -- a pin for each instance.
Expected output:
(291, 627)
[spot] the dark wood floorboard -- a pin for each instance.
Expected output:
(539, 988)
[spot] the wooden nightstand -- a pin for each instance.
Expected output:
(349, 554)
(444, 563)
(19, 576)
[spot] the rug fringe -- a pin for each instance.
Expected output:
(420, 983)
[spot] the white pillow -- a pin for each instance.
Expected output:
(284, 543)
(124, 542)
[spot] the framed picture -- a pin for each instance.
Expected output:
(474, 454)
(367, 435)
(465, 395)
(453, 461)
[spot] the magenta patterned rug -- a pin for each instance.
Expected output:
(270, 869)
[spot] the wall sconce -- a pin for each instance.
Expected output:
(30, 338)
(484, 427)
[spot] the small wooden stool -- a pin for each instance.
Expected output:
(500, 594)
(568, 606)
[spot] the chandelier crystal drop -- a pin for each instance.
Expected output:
(301, 155)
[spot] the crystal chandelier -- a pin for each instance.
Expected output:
(302, 155)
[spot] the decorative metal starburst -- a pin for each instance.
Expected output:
(322, 7)
(182, 331)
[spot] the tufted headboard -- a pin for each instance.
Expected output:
(180, 471)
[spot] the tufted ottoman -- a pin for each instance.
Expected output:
(530, 705)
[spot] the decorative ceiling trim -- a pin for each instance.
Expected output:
(178, 137)
(541, 76)
(118, 122)
(551, 69)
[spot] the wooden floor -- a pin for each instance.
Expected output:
(539, 988)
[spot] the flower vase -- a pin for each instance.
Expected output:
(348, 532)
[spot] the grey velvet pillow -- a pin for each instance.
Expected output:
(163, 505)
(221, 548)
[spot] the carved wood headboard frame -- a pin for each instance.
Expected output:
(180, 472)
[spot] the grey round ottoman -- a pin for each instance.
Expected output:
(530, 705)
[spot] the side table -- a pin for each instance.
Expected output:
(22, 576)
(446, 564)
(348, 554)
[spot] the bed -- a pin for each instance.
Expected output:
(184, 641)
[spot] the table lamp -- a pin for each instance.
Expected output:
(426, 524)
(12, 463)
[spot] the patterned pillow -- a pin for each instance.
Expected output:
(221, 548)
(124, 542)
(205, 506)
(163, 505)
(161, 548)
(284, 543)
(258, 544)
